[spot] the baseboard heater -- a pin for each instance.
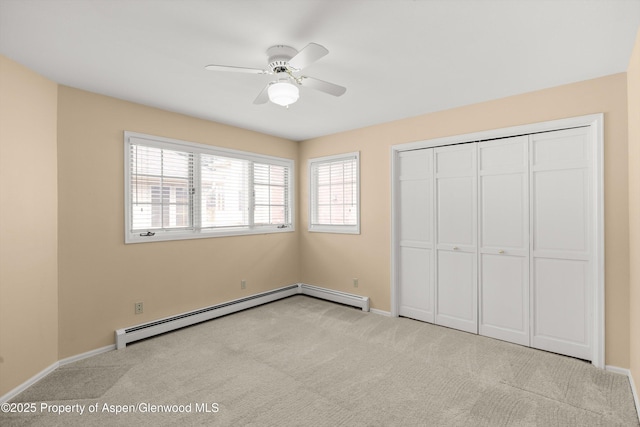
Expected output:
(335, 296)
(149, 329)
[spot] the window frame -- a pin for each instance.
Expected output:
(332, 228)
(195, 231)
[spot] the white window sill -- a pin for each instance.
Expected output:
(166, 236)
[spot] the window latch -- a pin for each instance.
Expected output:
(147, 234)
(283, 226)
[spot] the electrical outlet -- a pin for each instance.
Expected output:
(243, 284)
(355, 282)
(138, 308)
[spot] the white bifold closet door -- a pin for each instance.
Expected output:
(497, 238)
(456, 290)
(415, 228)
(504, 239)
(563, 243)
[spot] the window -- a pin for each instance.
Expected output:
(182, 190)
(334, 188)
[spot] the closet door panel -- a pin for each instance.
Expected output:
(560, 149)
(504, 298)
(562, 246)
(456, 236)
(504, 211)
(504, 239)
(456, 217)
(456, 290)
(561, 315)
(416, 252)
(456, 160)
(415, 223)
(416, 270)
(561, 212)
(510, 154)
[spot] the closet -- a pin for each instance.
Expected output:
(497, 237)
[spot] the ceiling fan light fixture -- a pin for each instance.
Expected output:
(283, 93)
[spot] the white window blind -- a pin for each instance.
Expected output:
(224, 199)
(181, 190)
(334, 190)
(270, 183)
(161, 187)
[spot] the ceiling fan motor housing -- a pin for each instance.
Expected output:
(279, 57)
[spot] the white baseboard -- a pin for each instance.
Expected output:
(380, 312)
(40, 375)
(617, 370)
(634, 391)
(28, 383)
(636, 398)
(87, 354)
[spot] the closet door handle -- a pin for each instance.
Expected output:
(500, 251)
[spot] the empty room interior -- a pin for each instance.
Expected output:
(319, 212)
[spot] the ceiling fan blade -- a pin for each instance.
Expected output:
(234, 69)
(307, 56)
(322, 86)
(263, 96)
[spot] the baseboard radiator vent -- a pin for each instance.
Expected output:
(146, 330)
(157, 327)
(335, 296)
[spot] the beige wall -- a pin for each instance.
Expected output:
(100, 277)
(28, 225)
(633, 99)
(332, 260)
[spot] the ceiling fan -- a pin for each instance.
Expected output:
(284, 63)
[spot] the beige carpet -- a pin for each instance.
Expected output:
(306, 362)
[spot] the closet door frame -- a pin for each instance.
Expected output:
(595, 122)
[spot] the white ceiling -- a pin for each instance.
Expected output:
(397, 58)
